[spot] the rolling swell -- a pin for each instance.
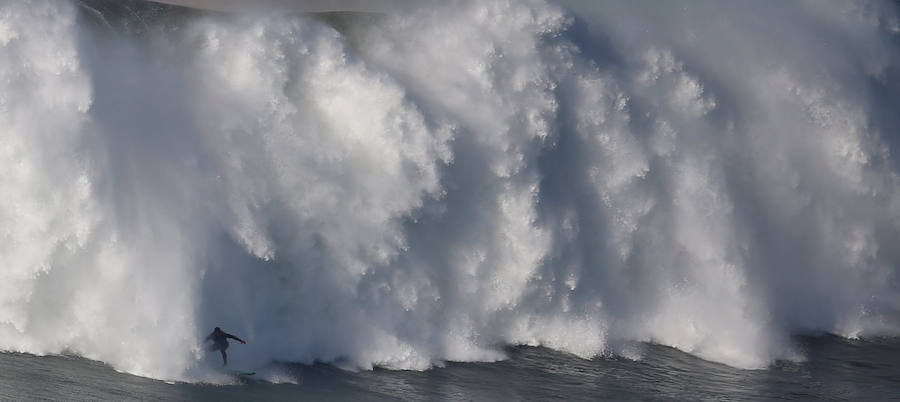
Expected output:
(439, 181)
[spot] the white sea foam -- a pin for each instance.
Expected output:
(439, 181)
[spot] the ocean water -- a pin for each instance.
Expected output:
(465, 199)
(836, 369)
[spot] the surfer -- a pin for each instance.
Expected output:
(220, 342)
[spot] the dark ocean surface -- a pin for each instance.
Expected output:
(835, 369)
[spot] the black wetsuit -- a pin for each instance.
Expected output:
(220, 342)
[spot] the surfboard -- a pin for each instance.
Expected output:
(240, 373)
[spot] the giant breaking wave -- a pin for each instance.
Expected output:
(436, 181)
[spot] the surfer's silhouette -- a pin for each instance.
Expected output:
(220, 342)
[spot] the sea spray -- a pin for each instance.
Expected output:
(435, 182)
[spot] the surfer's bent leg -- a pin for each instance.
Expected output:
(222, 346)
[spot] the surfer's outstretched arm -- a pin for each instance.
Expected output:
(235, 338)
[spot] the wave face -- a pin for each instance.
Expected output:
(433, 183)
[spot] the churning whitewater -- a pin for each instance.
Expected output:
(438, 180)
